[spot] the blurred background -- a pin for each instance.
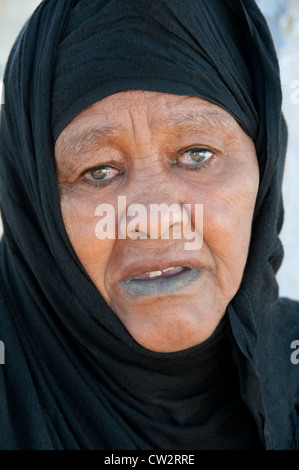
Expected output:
(283, 20)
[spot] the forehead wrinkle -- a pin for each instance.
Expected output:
(80, 141)
(204, 119)
(86, 140)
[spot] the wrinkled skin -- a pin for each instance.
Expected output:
(145, 148)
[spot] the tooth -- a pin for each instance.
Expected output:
(168, 269)
(154, 273)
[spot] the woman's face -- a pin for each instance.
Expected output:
(155, 148)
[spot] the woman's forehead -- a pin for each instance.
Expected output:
(128, 116)
(119, 111)
(156, 103)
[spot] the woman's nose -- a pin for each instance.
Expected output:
(153, 220)
(153, 206)
(161, 221)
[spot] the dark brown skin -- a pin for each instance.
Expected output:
(143, 141)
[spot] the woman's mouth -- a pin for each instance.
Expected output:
(160, 282)
(159, 274)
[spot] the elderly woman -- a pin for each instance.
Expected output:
(121, 339)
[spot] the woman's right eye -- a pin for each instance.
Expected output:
(102, 174)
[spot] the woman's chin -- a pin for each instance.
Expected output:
(169, 323)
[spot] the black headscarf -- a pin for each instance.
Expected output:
(74, 377)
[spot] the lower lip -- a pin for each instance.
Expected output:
(162, 285)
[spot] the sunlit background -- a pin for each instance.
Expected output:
(283, 19)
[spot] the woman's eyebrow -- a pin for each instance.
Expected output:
(199, 119)
(85, 140)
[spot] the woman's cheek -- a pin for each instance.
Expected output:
(80, 220)
(227, 227)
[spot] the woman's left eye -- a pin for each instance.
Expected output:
(195, 158)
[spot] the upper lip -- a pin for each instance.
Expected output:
(156, 263)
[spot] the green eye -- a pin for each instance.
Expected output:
(102, 173)
(101, 176)
(195, 157)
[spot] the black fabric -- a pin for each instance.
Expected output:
(71, 368)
